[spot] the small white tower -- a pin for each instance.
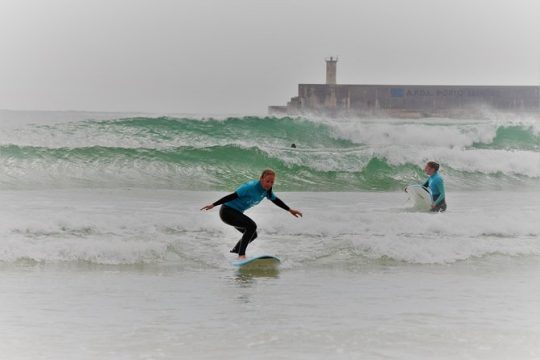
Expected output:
(331, 71)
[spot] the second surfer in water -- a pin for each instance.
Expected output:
(435, 184)
(245, 197)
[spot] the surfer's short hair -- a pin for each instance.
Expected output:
(433, 165)
(267, 172)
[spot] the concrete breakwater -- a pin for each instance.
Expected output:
(332, 99)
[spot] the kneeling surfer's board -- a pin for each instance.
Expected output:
(420, 196)
(258, 262)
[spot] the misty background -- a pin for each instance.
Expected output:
(239, 56)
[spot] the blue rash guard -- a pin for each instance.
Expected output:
(436, 187)
(249, 195)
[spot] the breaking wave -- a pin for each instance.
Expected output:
(218, 154)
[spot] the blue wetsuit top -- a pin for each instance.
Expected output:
(249, 195)
(436, 187)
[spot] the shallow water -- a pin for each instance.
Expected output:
(486, 310)
(143, 274)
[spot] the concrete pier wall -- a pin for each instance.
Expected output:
(411, 100)
(333, 99)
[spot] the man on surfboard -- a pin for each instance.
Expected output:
(435, 184)
(246, 196)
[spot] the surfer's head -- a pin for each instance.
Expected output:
(431, 168)
(268, 177)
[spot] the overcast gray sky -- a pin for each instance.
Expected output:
(238, 56)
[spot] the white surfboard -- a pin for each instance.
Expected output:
(261, 262)
(420, 196)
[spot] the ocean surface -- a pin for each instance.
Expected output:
(104, 253)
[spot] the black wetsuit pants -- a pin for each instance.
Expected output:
(243, 224)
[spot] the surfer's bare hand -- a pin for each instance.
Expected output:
(295, 213)
(208, 207)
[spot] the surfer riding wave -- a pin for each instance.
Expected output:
(246, 196)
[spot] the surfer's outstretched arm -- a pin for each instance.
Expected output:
(284, 206)
(223, 200)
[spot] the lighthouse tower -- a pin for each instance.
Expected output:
(331, 70)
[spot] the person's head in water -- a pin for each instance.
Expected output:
(268, 177)
(431, 168)
(293, 145)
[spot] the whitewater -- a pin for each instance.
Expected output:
(104, 252)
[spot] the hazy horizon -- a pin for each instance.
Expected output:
(238, 57)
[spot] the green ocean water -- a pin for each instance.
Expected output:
(218, 154)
